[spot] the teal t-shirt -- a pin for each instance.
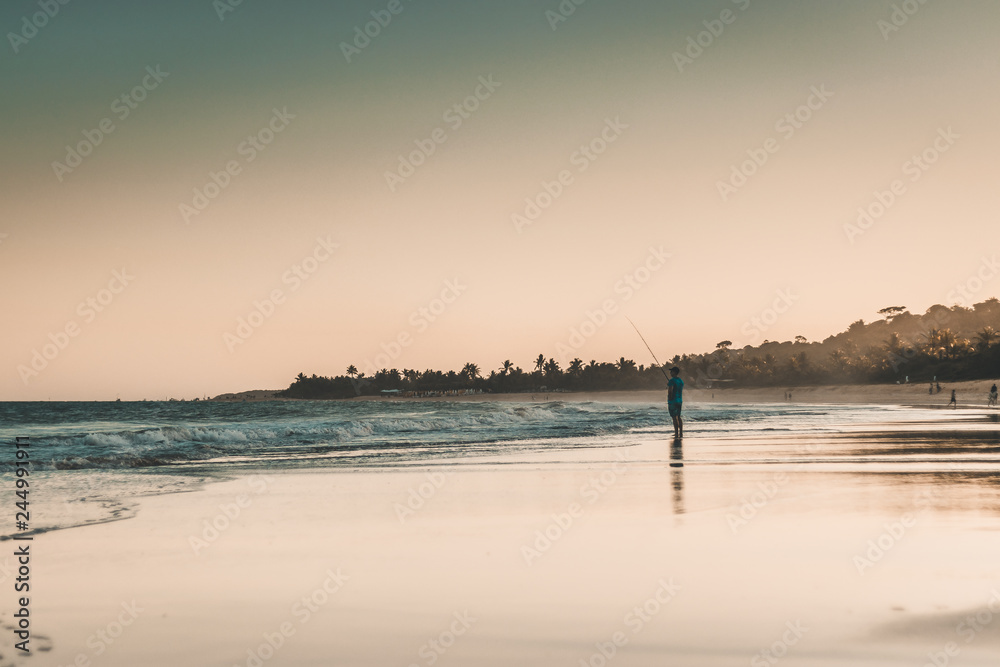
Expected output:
(675, 390)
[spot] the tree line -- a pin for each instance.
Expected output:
(946, 344)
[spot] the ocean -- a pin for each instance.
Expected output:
(220, 436)
(92, 461)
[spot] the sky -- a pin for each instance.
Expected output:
(202, 197)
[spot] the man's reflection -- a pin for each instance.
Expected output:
(677, 474)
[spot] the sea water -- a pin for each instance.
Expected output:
(90, 462)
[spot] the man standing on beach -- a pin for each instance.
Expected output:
(675, 398)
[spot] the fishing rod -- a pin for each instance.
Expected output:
(648, 348)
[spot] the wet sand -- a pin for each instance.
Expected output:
(880, 546)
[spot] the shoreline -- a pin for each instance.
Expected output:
(970, 393)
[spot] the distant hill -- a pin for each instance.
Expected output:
(955, 343)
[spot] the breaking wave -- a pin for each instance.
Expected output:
(71, 436)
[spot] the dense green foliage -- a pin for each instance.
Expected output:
(947, 343)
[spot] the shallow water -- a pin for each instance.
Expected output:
(116, 436)
(96, 461)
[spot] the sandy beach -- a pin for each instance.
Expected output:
(877, 546)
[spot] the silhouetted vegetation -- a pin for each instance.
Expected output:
(950, 344)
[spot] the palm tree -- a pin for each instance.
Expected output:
(986, 338)
(894, 343)
(576, 366)
(506, 368)
(947, 339)
(624, 365)
(352, 370)
(551, 367)
(962, 347)
(540, 362)
(471, 371)
(933, 344)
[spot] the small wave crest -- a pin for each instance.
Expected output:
(343, 427)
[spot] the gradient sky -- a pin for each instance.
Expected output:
(522, 291)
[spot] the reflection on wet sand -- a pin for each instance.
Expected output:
(958, 461)
(677, 474)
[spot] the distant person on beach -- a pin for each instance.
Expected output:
(953, 401)
(993, 395)
(938, 385)
(931, 390)
(675, 399)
